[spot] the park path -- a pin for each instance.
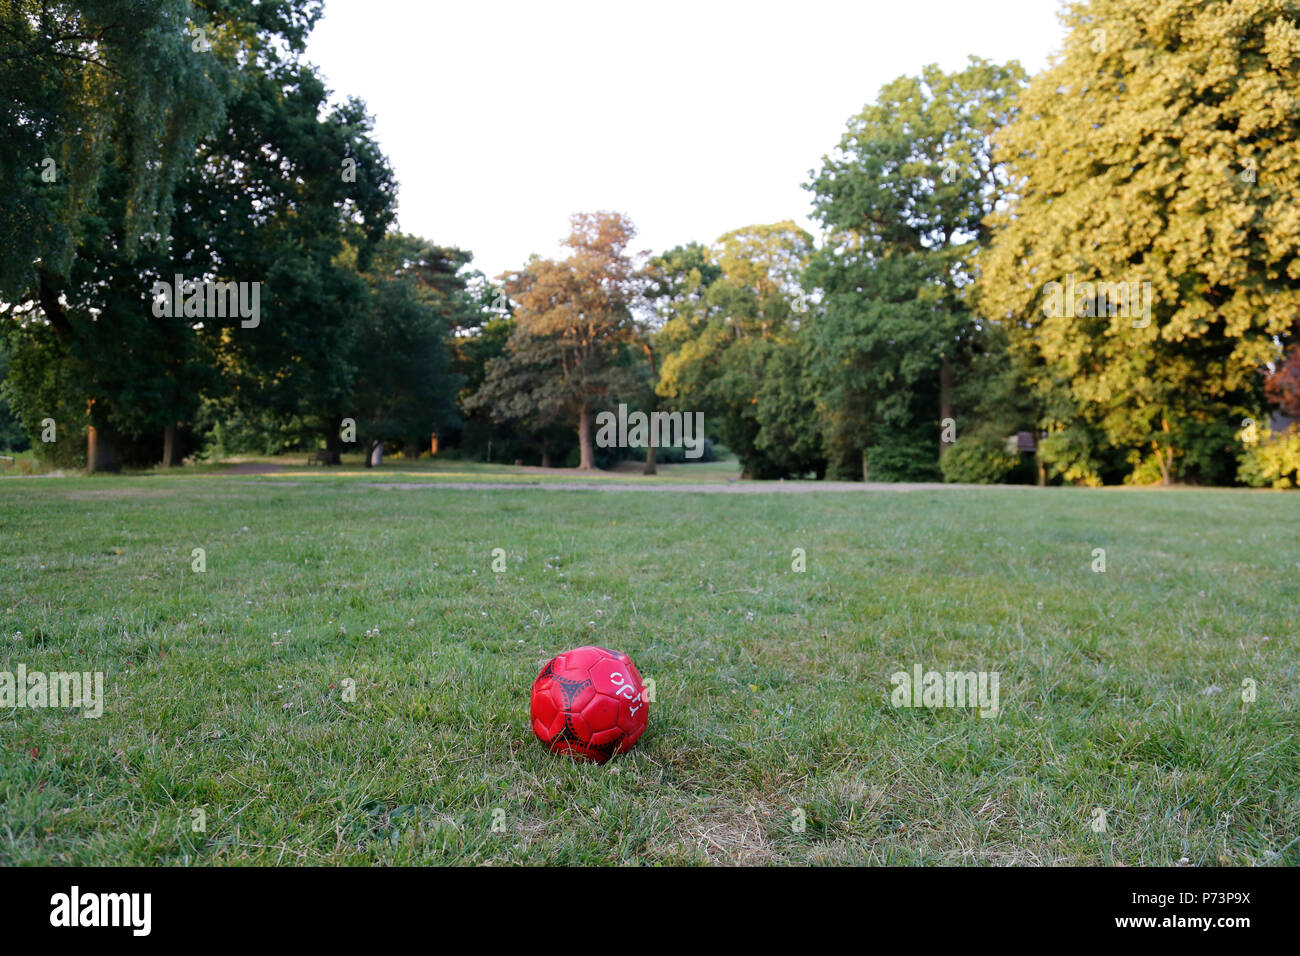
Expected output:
(728, 488)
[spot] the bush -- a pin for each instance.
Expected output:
(676, 454)
(1273, 460)
(978, 461)
(901, 455)
(1146, 470)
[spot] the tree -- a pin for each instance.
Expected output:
(789, 438)
(903, 200)
(106, 103)
(728, 312)
(404, 388)
(261, 201)
(295, 196)
(1159, 157)
(675, 285)
(1283, 385)
(573, 322)
(83, 81)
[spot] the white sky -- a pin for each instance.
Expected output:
(694, 118)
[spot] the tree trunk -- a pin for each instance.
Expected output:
(587, 461)
(1166, 455)
(169, 446)
(334, 442)
(368, 453)
(651, 453)
(101, 450)
(546, 458)
(945, 400)
(864, 464)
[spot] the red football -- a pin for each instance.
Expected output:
(589, 703)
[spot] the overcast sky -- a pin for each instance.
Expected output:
(694, 118)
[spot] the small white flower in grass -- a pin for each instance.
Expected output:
(749, 616)
(599, 613)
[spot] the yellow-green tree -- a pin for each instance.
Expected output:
(1162, 148)
(728, 313)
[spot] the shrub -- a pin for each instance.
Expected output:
(978, 461)
(902, 455)
(1273, 460)
(676, 454)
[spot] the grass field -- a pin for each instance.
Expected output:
(1120, 691)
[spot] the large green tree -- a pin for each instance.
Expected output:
(294, 194)
(92, 87)
(266, 198)
(104, 104)
(405, 389)
(903, 200)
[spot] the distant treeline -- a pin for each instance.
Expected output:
(1087, 276)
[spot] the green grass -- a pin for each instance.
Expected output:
(223, 688)
(441, 469)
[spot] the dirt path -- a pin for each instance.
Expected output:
(729, 488)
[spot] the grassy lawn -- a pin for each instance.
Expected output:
(224, 690)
